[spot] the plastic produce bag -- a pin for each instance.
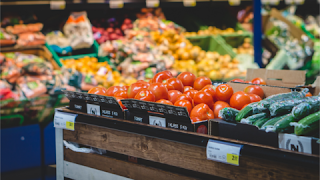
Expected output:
(58, 42)
(33, 89)
(78, 30)
(76, 148)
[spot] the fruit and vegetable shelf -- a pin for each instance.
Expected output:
(265, 121)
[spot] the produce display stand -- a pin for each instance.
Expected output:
(142, 151)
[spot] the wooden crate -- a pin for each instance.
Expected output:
(164, 153)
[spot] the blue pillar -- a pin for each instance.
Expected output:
(257, 32)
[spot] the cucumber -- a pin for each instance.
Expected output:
(246, 111)
(284, 107)
(308, 124)
(283, 125)
(271, 122)
(254, 118)
(261, 122)
(263, 105)
(228, 114)
(301, 110)
(290, 95)
(266, 103)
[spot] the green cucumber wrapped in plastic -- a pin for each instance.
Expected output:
(307, 125)
(260, 122)
(264, 104)
(283, 125)
(228, 114)
(252, 119)
(284, 107)
(247, 111)
(301, 110)
(271, 122)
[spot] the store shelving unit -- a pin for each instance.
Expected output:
(140, 151)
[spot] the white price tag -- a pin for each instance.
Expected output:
(64, 120)
(157, 121)
(295, 143)
(189, 3)
(152, 3)
(274, 2)
(289, 1)
(234, 2)
(114, 4)
(223, 152)
(93, 109)
(299, 1)
(57, 5)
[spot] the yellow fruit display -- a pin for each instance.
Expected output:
(213, 31)
(193, 59)
(212, 65)
(101, 71)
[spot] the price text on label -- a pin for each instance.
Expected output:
(223, 152)
(152, 3)
(189, 3)
(114, 4)
(64, 120)
(57, 5)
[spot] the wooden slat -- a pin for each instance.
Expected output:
(188, 132)
(122, 168)
(183, 155)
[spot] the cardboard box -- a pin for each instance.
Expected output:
(314, 88)
(95, 104)
(163, 115)
(282, 78)
(274, 13)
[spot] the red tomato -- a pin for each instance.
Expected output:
(203, 97)
(161, 76)
(113, 89)
(249, 82)
(184, 97)
(98, 90)
(169, 86)
(164, 101)
(254, 98)
(184, 103)
(308, 94)
(224, 92)
(259, 81)
(159, 90)
(124, 88)
(135, 88)
(143, 82)
(254, 89)
(173, 95)
(201, 82)
(187, 88)
(201, 112)
(119, 101)
(191, 93)
(210, 89)
(239, 99)
(218, 106)
(123, 94)
(237, 80)
(176, 83)
(145, 95)
(187, 78)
